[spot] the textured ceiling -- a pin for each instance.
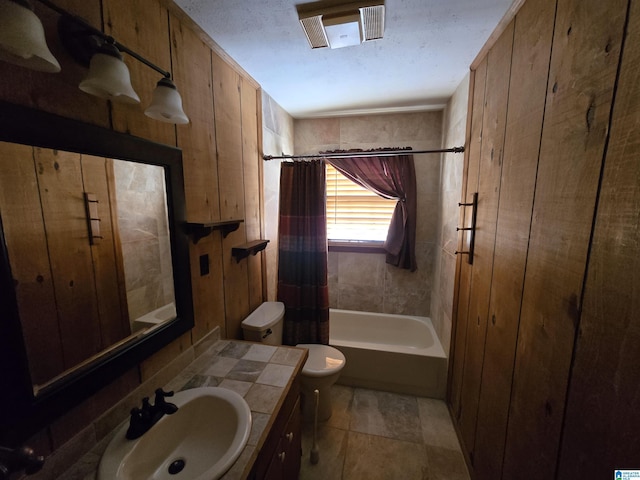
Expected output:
(426, 51)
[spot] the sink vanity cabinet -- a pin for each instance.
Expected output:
(285, 463)
(280, 457)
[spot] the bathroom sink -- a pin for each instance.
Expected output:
(201, 441)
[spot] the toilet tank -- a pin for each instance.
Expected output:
(264, 324)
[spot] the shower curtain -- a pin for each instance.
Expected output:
(302, 252)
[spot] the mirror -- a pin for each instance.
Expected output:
(93, 257)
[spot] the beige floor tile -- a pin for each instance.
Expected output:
(377, 458)
(342, 397)
(332, 448)
(437, 428)
(386, 414)
(446, 464)
(360, 440)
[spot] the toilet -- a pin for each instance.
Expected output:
(320, 371)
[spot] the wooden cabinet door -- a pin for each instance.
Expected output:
(276, 467)
(285, 463)
(293, 444)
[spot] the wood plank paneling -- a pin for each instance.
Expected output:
(527, 93)
(472, 167)
(236, 284)
(26, 243)
(228, 121)
(601, 425)
(107, 264)
(251, 168)
(493, 129)
(250, 160)
(208, 290)
(582, 73)
(191, 59)
(143, 26)
(60, 183)
(228, 116)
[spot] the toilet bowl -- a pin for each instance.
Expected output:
(320, 371)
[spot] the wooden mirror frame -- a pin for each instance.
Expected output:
(21, 413)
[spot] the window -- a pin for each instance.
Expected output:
(353, 212)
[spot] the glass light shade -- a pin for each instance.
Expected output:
(22, 40)
(166, 104)
(109, 77)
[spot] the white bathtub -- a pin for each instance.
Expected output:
(394, 353)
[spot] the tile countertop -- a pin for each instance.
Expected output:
(262, 374)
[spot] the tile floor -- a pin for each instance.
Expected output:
(376, 435)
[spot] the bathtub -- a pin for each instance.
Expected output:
(155, 317)
(394, 353)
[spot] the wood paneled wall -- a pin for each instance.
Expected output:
(544, 371)
(221, 161)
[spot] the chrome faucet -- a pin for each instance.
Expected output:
(142, 419)
(15, 460)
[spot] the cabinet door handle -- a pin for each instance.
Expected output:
(289, 436)
(281, 456)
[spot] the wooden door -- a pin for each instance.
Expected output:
(472, 167)
(527, 93)
(488, 188)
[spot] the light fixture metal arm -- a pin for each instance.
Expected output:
(105, 37)
(123, 48)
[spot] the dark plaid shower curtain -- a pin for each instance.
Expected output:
(302, 253)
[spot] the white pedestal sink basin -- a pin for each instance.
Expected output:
(201, 441)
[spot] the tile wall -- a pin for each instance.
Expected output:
(359, 281)
(277, 139)
(453, 135)
(144, 234)
(365, 282)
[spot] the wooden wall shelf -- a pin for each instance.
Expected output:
(201, 230)
(243, 251)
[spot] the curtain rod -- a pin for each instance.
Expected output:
(382, 153)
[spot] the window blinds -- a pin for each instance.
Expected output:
(353, 212)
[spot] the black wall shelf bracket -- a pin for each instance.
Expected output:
(250, 248)
(472, 229)
(201, 230)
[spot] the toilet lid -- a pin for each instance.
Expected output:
(323, 360)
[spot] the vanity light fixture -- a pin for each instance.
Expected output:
(166, 103)
(108, 75)
(22, 40)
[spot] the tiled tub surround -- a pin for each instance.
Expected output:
(262, 374)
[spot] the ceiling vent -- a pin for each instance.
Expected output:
(338, 26)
